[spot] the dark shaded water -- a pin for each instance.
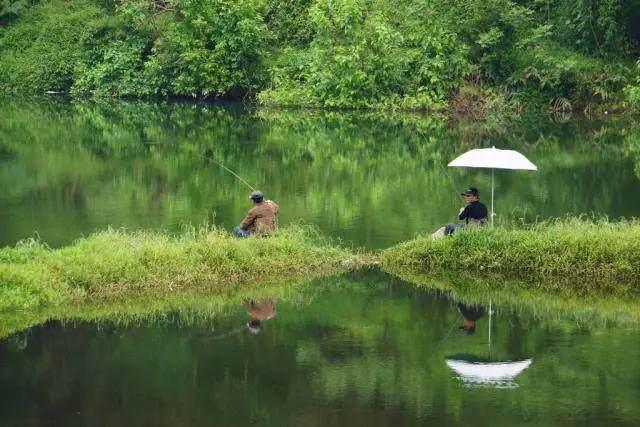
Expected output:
(357, 350)
(67, 169)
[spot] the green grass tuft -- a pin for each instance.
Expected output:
(116, 263)
(578, 251)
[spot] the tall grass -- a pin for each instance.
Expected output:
(578, 251)
(116, 263)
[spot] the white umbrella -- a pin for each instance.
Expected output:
(493, 158)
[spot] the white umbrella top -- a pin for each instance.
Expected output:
(493, 158)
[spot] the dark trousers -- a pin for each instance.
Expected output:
(242, 232)
(449, 229)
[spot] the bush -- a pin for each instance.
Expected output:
(365, 55)
(192, 48)
(11, 9)
(632, 90)
(215, 48)
(556, 73)
(41, 51)
(289, 21)
(120, 70)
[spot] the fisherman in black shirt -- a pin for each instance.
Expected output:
(473, 212)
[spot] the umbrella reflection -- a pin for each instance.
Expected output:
(498, 374)
(484, 371)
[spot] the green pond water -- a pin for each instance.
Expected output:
(363, 349)
(67, 169)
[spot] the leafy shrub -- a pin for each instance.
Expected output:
(10, 9)
(215, 48)
(193, 48)
(289, 21)
(120, 70)
(599, 27)
(632, 90)
(491, 28)
(43, 49)
(364, 55)
(558, 73)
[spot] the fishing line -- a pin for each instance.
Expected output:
(232, 173)
(450, 330)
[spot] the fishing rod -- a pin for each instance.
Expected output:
(232, 173)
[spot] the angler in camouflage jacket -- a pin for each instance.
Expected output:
(261, 219)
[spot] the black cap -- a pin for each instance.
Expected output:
(253, 326)
(471, 191)
(257, 196)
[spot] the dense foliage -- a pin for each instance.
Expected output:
(412, 54)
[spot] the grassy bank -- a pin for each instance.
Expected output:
(116, 263)
(580, 252)
(580, 255)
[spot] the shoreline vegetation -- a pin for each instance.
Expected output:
(584, 256)
(472, 59)
(575, 252)
(117, 264)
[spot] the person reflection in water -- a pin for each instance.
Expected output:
(471, 314)
(259, 311)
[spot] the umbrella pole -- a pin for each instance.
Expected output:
(492, 186)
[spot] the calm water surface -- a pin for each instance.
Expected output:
(357, 350)
(67, 169)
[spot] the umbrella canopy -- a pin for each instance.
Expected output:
(488, 373)
(493, 158)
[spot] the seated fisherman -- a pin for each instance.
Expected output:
(261, 218)
(473, 212)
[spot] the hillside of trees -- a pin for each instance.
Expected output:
(468, 57)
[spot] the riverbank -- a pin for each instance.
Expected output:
(116, 263)
(584, 253)
(579, 255)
